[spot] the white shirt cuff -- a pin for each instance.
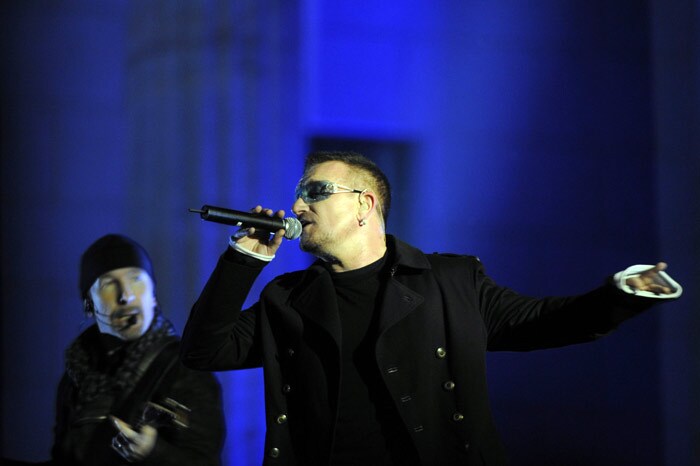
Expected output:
(662, 279)
(233, 244)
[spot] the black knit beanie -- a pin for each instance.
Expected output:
(108, 253)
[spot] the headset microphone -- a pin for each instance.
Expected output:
(129, 322)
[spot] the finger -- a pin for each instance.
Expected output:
(636, 282)
(242, 233)
(259, 209)
(654, 270)
(258, 236)
(654, 288)
(659, 289)
(271, 213)
(131, 436)
(641, 283)
(277, 239)
(121, 425)
(652, 277)
(146, 441)
(648, 284)
(125, 430)
(149, 432)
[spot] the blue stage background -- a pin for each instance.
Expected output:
(556, 140)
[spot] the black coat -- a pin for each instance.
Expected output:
(87, 441)
(439, 315)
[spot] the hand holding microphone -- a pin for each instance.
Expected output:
(290, 225)
(259, 223)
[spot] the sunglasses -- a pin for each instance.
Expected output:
(315, 191)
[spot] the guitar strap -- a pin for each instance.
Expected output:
(156, 364)
(154, 367)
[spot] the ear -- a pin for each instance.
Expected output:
(368, 202)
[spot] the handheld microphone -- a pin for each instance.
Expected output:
(290, 225)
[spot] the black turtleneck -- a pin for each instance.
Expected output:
(368, 430)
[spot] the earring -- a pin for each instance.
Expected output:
(362, 222)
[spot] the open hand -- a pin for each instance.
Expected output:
(651, 281)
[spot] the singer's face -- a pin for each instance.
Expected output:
(124, 302)
(329, 223)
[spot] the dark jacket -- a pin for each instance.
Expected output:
(86, 439)
(439, 315)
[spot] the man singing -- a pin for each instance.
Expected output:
(374, 355)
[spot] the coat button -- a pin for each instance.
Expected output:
(281, 419)
(449, 385)
(286, 388)
(392, 370)
(274, 452)
(466, 446)
(440, 353)
(290, 351)
(457, 417)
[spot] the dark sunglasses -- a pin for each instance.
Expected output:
(315, 191)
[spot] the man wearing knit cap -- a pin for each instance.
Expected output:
(124, 397)
(117, 285)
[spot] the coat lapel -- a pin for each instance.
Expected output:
(316, 299)
(398, 302)
(317, 302)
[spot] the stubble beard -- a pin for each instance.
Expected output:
(317, 248)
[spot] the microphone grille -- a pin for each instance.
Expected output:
(292, 229)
